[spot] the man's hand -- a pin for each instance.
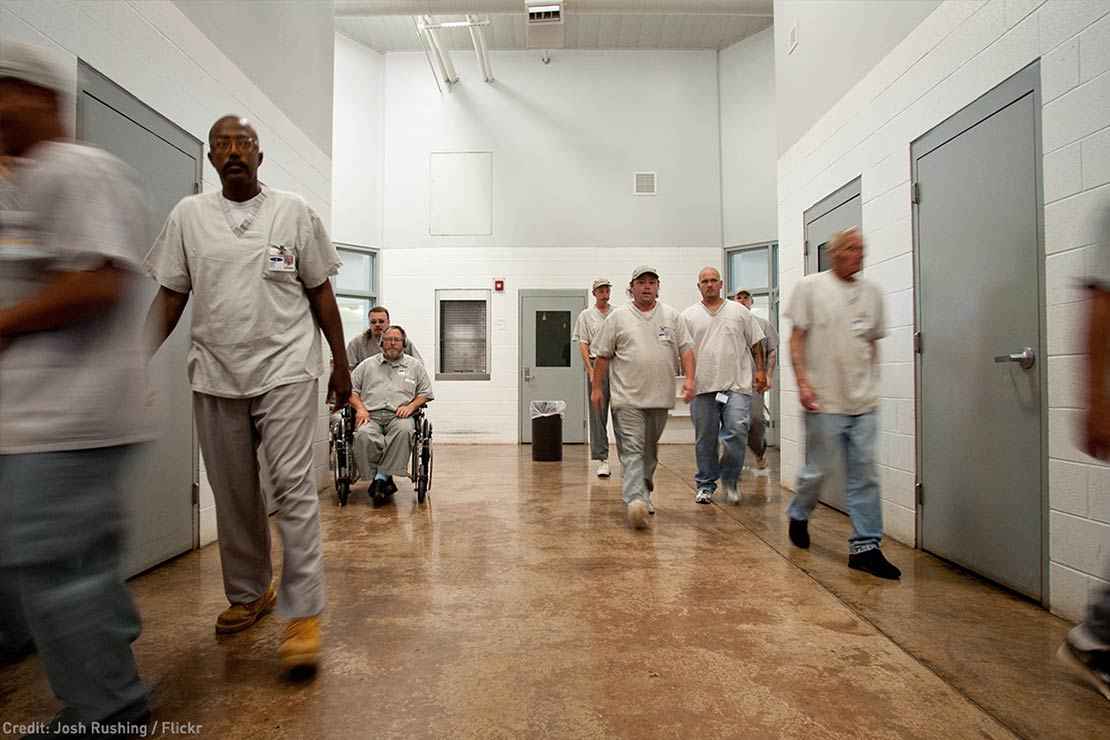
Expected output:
(404, 412)
(688, 389)
(339, 385)
(760, 381)
(595, 398)
(1097, 437)
(808, 397)
(362, 416)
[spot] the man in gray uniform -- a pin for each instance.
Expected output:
(586, 329)
(257, 262)
(640, 348)
(388, 388)
(72, 232)
(369, 343)
(757, 435)
(838, 321)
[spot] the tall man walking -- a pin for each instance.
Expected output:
(838, 321)
(726, 339)
(586, 329)
(257, 262)
(640, 347)
(757, 435)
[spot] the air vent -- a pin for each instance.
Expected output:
(644, 183)
(544, 11)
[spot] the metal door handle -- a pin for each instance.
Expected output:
(1025, 358)
(527, 375)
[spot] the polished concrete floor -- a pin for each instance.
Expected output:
(517, 604)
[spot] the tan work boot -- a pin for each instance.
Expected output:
(301, 646)
(238, 617)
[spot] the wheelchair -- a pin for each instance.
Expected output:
(342, 444)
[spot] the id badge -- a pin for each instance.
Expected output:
(664, 334)
(282, 260)
(859, 326)
(722, 398)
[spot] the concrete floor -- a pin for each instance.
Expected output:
(517, 604)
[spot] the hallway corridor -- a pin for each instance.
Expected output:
(517, 604)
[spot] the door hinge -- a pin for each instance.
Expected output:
(915, 195)
(917, 342)
(196, 188)
(805, 248)
(918, 496)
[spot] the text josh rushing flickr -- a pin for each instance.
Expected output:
(78, 729)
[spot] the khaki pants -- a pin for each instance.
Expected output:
(281, 422)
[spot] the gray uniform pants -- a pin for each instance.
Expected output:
(638, 432)
(61, 584)
(599, 434)
(757, 432)
(281, 422)
(384, 444)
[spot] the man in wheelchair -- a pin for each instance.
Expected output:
(387, 389)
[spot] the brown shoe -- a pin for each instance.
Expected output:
(238, 617)
(301, 646)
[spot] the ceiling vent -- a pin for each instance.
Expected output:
(545, 28)
(643, 183)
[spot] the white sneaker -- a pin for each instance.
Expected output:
(638, 514)
(732, 491)
(703, 496)
(761, 462)
(603, 469)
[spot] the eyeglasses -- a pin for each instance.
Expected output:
(225, 143)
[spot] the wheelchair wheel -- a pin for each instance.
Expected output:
(343, 491)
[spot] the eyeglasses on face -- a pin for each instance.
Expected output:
(225, 143)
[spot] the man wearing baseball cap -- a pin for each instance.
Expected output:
(640, 348)
(72, 368)
(586, 330)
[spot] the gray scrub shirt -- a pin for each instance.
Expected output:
(385, 385)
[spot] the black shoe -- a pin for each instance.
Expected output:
(389, 486)
(372, 491)
(872, 561)
(10, 655)
(1092, 664)
(799, 533)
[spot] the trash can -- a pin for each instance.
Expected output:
(547, 430)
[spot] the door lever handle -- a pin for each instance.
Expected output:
(1026, 358)
(527, 375)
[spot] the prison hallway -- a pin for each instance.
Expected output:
(517, 603)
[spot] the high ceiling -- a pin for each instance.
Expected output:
(627, 24)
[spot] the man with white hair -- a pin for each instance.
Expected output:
(838, 322)
(586, 329)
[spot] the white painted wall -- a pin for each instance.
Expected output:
(152, 50)
(955, 55)
(285, 48)
(748, 140)
(838, 43)
(566, 139)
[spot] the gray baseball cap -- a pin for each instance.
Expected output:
(29, 64)
(601, 283)
(644, 270)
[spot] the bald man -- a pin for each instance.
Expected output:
(257, 262)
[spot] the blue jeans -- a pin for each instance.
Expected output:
(854, 438)
(723, 423)
(61, 538)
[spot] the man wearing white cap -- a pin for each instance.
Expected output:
(586, 330)
(71, 379)
(640, 348)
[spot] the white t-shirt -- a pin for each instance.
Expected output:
(241, 215)
(644, 351)
(73, 208)
(841, 319)
(588, 326)
(723, 342)
(253, 329)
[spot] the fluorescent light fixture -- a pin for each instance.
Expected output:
(453, 24)
(544, 8)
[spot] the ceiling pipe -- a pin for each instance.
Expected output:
(478, 37)
(446, 68)
(752, 8)
(420, 33)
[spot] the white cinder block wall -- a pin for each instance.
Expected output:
(154, 52)
(956, 54)
(566, 139)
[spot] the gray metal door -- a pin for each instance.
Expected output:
(161, 484)
(979, 295)
(838, 211)
(550, 364)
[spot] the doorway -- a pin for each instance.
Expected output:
(978, 225)
(755, 268)
(840, 210)
(550, 365)
(162, 483)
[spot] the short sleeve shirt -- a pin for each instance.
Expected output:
(841, 319)
(722, 346)
(385, 385)
(644, 352)
(72, 208)
(588, 326)
(365, 346)
(253, 328)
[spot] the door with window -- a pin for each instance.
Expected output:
(550, 363)
(754, 268)
(356, 288)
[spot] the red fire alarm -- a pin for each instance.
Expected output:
(499, 285)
